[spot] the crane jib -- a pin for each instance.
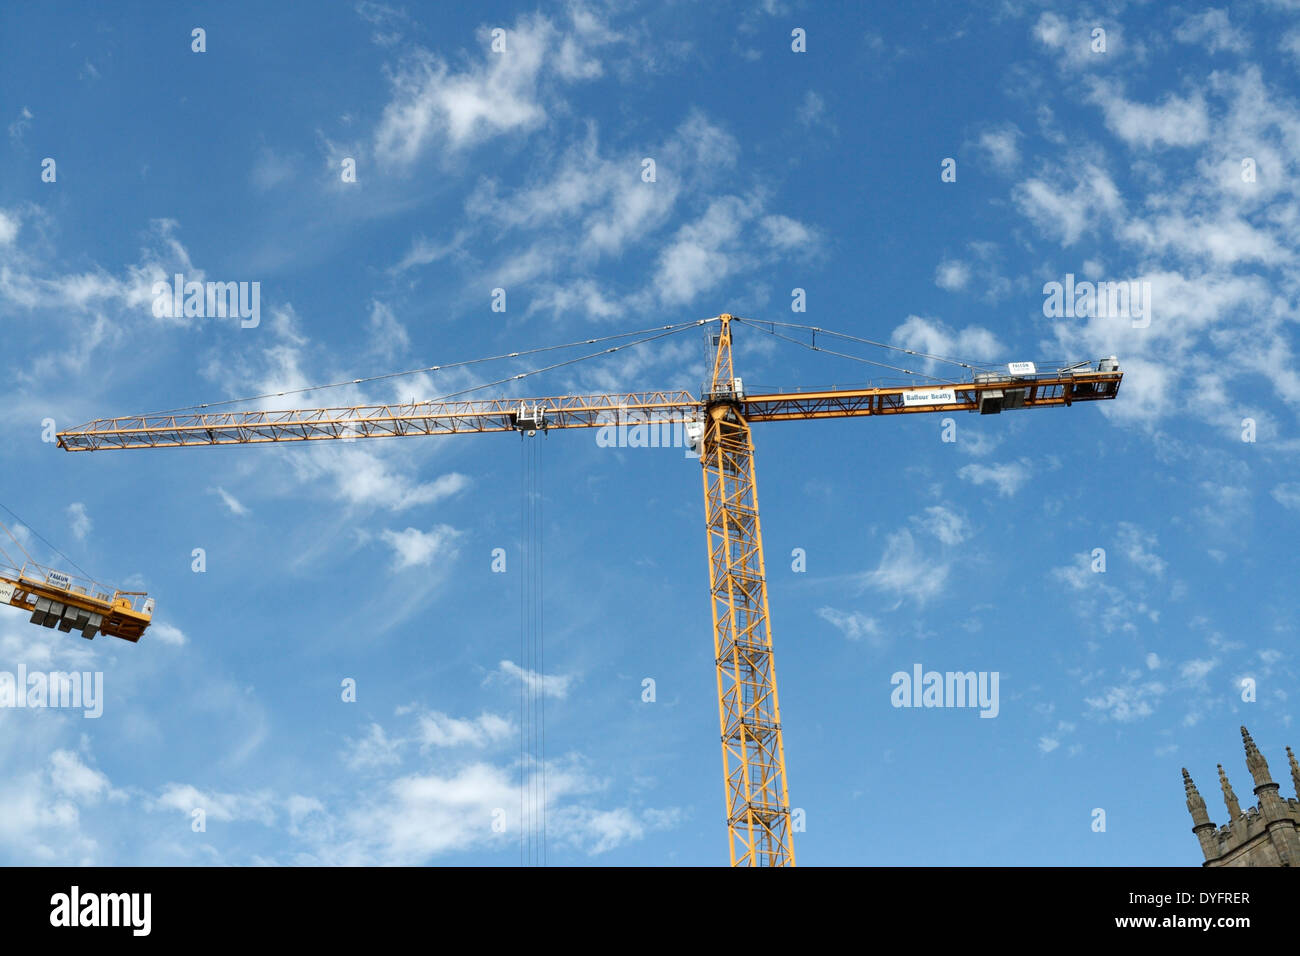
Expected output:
(992, 395)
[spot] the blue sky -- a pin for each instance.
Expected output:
(775, 170)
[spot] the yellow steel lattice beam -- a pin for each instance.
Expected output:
(753, 753)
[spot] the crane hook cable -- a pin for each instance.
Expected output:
(533, 790)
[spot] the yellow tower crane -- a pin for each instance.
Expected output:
(718, 424)
(68, 601)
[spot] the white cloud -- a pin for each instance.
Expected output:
(1137, 546)
(588, 205)
(231, 502)
(786, 233)
(977, 443)
(1100, 602)
(416, 548)
(418, 816)
(364, 479)
(500, 92)
(1220, 238)
(952, 274)
(221, 807)
(19, 126)
(948, 526)
(1071, 42)
(271, 169)
(388, 337)
(9, 224)
(551, 685)
(583, 297)
(79, 521)
(430, 102)
(167, 633)
(599, 831)
(74, 779)
(40, 809)
(1128, 702)
(424, 251)
(438, 730)
(933, 337)
(1047, 744)
(704, 252)
(1066, 213)
(1175, 121)
(907, 572)
(1287, 494)
(375, 749)
(1213, 30)
(1007, 478)
(1000, 146)
(812, 111)
(1290, 44)
(1195, 671)
(432, 729)
(853, 625)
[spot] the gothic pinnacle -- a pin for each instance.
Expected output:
(1255, 761)
(1248, 741)
(1195, 803)
(1229, 798)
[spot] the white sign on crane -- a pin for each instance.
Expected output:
(929, 396)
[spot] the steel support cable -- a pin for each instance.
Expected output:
(752, 323)
(550, 368)
(47, 543)
(663, 329)
(855, 358)
(1059, 364)
(23, 551)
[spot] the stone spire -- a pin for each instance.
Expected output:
(1295, 772)
(1195, 803)
(1229, 798)
(1202, 826)
(1255, 761)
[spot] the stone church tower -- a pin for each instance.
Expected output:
(1267, 834)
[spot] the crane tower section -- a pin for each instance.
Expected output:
(753, 753)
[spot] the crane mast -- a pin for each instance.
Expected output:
(718, 424)
(753, 753)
